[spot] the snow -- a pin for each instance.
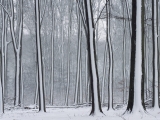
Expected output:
(75, 114)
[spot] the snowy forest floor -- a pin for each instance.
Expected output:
(75, 114)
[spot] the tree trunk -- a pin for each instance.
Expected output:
(1, 66)
(78, 74)
(96, 105)
(110, 76)
(17, 44)
(52, 54)
(147, 57)
(68, 50)
(155, 55)
(39, 59)
(18, 77)
(124, 59)
(1, 88)
(104, 72)
(135, 97)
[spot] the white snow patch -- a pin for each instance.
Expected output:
(75, 114)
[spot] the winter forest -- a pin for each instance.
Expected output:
(79, 59)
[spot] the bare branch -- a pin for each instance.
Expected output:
(100, 14)
(5, 10)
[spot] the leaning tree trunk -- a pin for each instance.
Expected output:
(96, 105)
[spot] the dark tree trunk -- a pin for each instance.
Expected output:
(133, 47)
(143, 54)
(135, 101)
(96, 104)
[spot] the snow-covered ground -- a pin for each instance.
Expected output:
(75, 114)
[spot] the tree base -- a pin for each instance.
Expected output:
(135, 112)
(97, 113)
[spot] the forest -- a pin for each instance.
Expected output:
(79, 59)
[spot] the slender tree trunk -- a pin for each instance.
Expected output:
(36, 92)
(143, 52)
(104, 72)
(39, 59)
(124, 60)
(2, 50)
(78, 74)
(80, 82)
(52, 54)
(1, 88)
(88, 85)
(68, 57)
(5, 50)
(147, 57)
(110, 50)
(1, 66)
(155, 55)
(22, 88)
(17, 44)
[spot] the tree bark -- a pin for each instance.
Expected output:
(135, 104)
(110, 50)
(155, 103)
(39, 59)
(96, 104)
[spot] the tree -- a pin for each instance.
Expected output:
(78, 89)
(96, 105)
(155, 54)
(52, 47)
(1, 89)
(39, 58)
(17, 44)
(70, 9)
(135, 97)
(16, 35)
(1, 70)
(147, 55)
(4, 44)
(124, 57)
(110, 50)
